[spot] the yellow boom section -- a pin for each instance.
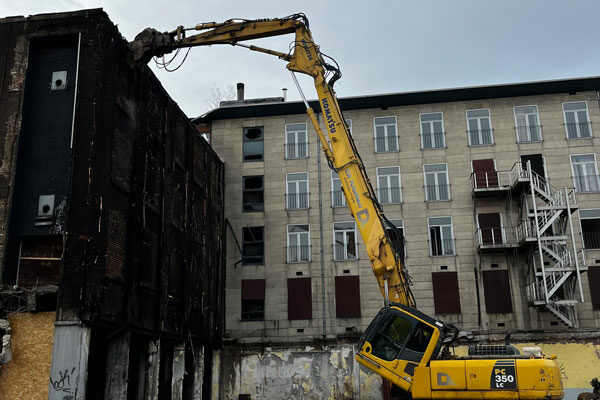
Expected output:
(340, 151)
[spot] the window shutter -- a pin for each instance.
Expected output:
(253, 289)
(496, 286)
(299, 298)
(594, 281)
(446, 297)
(347, 297)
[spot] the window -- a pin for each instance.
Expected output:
(252, 144)
(299, 298)
(386, 138)
(347, 297)
(297, 191)
(432, 131)
(594, 281)
(296, 141)
(585, 173)
(253, 195)
(590, 228)
(446, 297)
(253, 245)
(479, 127)
(337, 195)
(496, 287)
(485, 175)
(298, 242)
(441, 237)
(253, 299)
(436, 182)
(577, 122)
(388, 185)
(344, 241)
(397, 237)
(349, 125)
(490, 231)
(527, 124)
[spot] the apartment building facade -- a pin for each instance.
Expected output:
(495, 189)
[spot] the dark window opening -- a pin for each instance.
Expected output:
(593, 274)
(253, 193)
(590, 228)
(253, 246)
(253, 299)
(253, 145)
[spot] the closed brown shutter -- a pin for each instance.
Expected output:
(253, 289)
(594, 281)
(299, 298)
(347, 297)
(496, 286)
(446, 297)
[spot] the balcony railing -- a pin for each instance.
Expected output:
(344, 252)
(435, 140)
(298, 254)
(437, 192)
(591, 240)
(530, 133)
(578, 130)
(296, 150)
(493, 236)
(587, 183)
(385, 144)
(337, 198)
(480, 137)
(441, 247)
(296, 201)
(391, 195)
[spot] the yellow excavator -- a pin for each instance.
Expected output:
(403, 345)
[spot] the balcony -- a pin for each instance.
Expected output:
(480, 137)
(296, 150)
(386, 144)
(337, 198)
(529, 133)
(298, 254)
(493, 239)
(435, 140)
(391, 195)
(441, 247)
(579, 130)
(591, 240)
(296, 201)
(437, 192)
(344, 252)
(587, 183)
(490, 183)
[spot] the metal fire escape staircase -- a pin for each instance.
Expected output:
(556, 264)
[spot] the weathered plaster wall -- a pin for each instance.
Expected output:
(331, 372)
(26, 376)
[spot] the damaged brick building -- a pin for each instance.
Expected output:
(111, 208)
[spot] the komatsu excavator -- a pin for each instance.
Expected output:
(403, 345)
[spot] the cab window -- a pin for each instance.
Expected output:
(390, 338)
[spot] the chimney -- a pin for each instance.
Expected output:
(284, 90)
(240, 91)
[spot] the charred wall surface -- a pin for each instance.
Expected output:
(140, 234)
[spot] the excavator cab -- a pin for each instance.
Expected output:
(399, 339)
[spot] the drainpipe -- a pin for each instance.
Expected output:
(322, 250)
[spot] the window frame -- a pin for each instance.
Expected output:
(244, 140)
(244, 242)
(422, 135)
(346, 258)
(427, 200)
(588, 121)
(452, 237)
(334, 176)
(297, 194)
(393, 221)
(299, 250)
(480, 135)
(596, 173)
(539, 124)
(395, 124)
(581, 226)
(296, 144)
(389, 189)
(244, 191)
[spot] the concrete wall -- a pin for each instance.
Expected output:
(227, 141)
(304, 372)
(26, 377)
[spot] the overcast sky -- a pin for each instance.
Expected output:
(381, 46)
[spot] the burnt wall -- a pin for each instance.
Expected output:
(143, 235)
